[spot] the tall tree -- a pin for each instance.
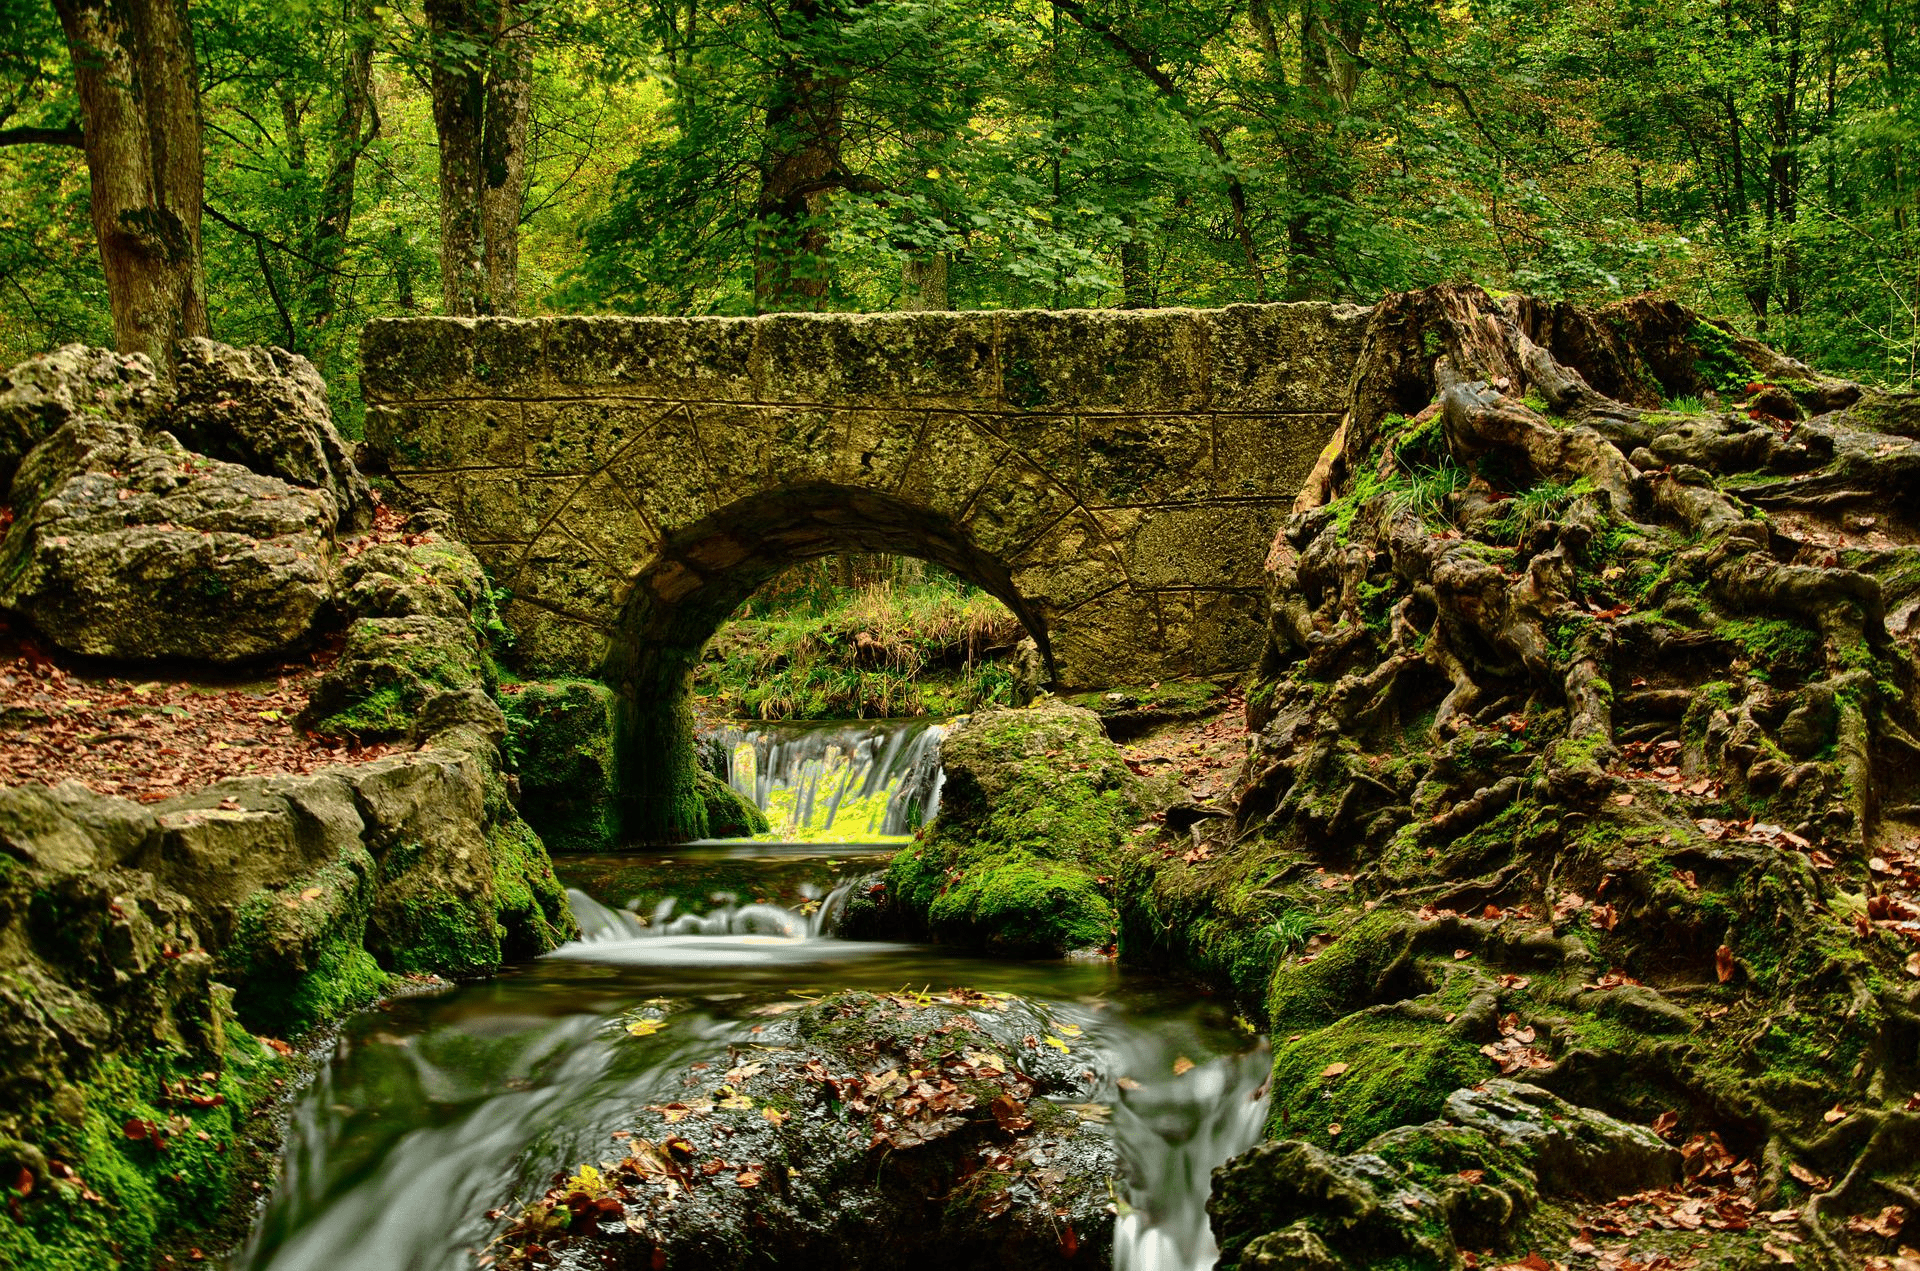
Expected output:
(482, 98)
(134, 74)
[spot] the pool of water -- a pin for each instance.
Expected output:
(435, 1108)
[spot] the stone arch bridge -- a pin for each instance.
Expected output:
(1116, 478)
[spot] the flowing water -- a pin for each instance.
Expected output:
(439, 1107)
(857, 781)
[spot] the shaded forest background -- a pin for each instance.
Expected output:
(1758, 159)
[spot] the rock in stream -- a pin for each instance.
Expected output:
(858, 1131)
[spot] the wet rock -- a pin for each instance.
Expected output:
(1420, 1194)
(729, 815)
(1034, 809)
(1572, 1149)
(131, 547)
(860, 1132)
(267, 409)
(43, 393)
(560, 736)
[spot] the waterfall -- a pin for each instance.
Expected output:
(845, 781)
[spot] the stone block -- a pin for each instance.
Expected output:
(1203, 545)
(587, 435)
(666, 477)
(1018, 504)
(1145, 459)
(1290, 357)
(547, 643)
(509, 357)
(1103, 359)
(406, 359)
(1070, 564)
(954, 459)
(674, 359)
(1267, 455)
(1119, 638)
(879, 359)
(1229, 629)
(464, 434)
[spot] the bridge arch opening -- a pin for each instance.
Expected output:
(701, 574)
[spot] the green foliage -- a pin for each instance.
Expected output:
(993, 155)
(880, 651)
(1535, 506)
(144, 1194)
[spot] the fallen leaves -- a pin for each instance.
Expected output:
(1515, 1051)
(155, 740)
(1182, 1066)
(1887, 1224)
(1723, 963)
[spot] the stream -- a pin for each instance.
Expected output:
(437, 1107)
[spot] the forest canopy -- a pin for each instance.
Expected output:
(1757, 159)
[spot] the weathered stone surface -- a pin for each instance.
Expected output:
(856, 1164)
(74, 381)
(1418, 1195)
(266, 409)
(129, 546)
(300, 892)
(1033, 810)
(412, 664)
(654, 448)
(1572, 1149)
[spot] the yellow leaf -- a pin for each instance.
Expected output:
(1057, 1044)
(646, 1027)
(1182, 1066)
(775, 1115)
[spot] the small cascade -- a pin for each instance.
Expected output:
(813, 918)
(846, 781)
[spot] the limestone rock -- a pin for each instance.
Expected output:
(420, 608)
(1417, 1195)
(1572, 1149)
(898, 1187)
(1033, 812)
(132, 547)
(73, 382)
(267, 409)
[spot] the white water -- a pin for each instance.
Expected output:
(843, 781)
(437, 1107)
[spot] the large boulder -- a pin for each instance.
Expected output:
(421, 617)
(1418, 1195)
(266, 409)
(129, 546)
(1033, 812)
(73, 382)
(862, 1132)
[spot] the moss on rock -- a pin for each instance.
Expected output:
(1033, 813)
(728, 814)
(560, 743)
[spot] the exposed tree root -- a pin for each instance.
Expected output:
(1538, 650)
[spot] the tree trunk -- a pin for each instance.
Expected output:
(138, 86)
(1136, 274)
(352, 134)
(805, 117)
(923, 282)
(480, 105)
(503, 158)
